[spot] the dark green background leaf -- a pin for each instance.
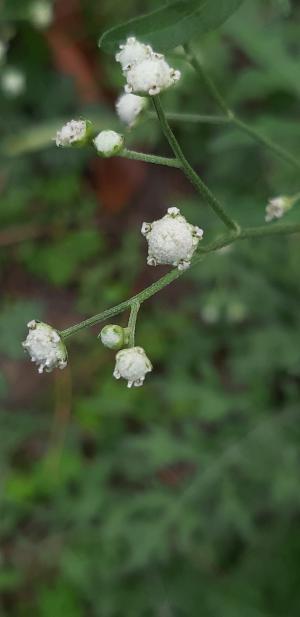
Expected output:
(173, 24)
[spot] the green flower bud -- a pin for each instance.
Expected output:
(113, 336)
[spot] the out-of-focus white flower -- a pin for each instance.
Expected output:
(151, 76)
(114, 336)
(74, 133)
(210, 313)
(171, 240)
(41, 13)
(133, 365)
(132, 52)
(277, 206)
(129, 106)
(109, 143)
(13, 81)
(45, 347)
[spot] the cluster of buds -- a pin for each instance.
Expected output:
(132, 364)
(45, 347)
(74, 133)
(171, 240)
(146, 71)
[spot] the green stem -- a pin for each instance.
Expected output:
(195, 180)
(250, 232)
(192, 118)
(135, 307)
(230, 115)
(149, 158)
(216, 95)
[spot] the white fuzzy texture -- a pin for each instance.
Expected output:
(171, 240)
(133, 365)
(41, 13)
(112, 336)
(13, 82)
(129, 106)
(132, 52)
(45, 347)
(275, 208)
(108, 143)
(72, 132)
(151, 76)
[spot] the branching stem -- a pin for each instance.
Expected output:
(192, 176)
(249, 232)
(231, 117)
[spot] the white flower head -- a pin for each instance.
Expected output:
(151, 76)
(133, 365)
(41, 13)
(129, 106)
(276, 208)
(74, 133)
(132, 52)
(171, 240)
(114, 336)
(13, 82)
(45, 347)
(109, 143)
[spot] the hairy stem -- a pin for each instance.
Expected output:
(247, 233)
(230, 115)
(192, 176)
(135, 307)
(149, 158)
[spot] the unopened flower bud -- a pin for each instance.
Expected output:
(133, 365)
(109, 143)
(114, 336)
(151, 76)
(45, 347)
(74, 133)
(277, 207)
(132, 52)
(129, 106)
(171, 240)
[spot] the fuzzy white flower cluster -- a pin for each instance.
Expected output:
(108, 143)
(72, 133)
(146, 71)
(171, 240)
(276, 208)
(45, 347)
(133, 365)
(129, 107)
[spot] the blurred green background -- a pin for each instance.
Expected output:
(181, 498)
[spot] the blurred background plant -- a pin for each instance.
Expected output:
(180, 498)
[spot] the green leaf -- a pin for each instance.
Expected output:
(173, 24)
